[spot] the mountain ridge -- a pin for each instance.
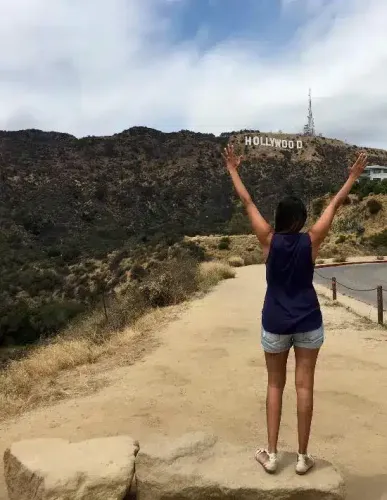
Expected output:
(66, 203)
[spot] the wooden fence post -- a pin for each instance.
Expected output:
(380, 304)
(104, 304)
(334, 289)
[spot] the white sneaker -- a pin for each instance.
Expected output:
(304, 463)
(269, 461)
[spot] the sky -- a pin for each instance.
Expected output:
(98, 67)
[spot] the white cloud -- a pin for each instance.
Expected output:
(97, 67)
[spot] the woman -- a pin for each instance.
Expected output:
(291, 315)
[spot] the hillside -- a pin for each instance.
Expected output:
(98, 190)
(359, 227)
(77, 215)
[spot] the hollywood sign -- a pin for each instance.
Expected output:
(271, 141)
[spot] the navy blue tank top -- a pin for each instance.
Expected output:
(291, 304)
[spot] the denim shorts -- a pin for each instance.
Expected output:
(274, 343)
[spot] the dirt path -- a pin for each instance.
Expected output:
(209, 374)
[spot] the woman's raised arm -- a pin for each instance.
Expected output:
(261, 228)
(321, 228)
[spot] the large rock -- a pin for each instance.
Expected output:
(198, 466)
(54, 469)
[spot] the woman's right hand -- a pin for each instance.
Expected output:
(358, 167)
(231, 160)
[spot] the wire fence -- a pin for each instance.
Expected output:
(348, 287)
(379, 289)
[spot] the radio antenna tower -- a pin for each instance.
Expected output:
(309, 127)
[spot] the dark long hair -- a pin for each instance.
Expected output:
(290, 215)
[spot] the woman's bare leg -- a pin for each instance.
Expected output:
(305, 369)
(276, 372)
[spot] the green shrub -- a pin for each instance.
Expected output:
(70, 255)
(117, 258)
(190, 249)
(367, 187)
(340, 239)
(138, 272)
(121, 311)
(379, 239)
(348, 224)
(374, 206)
(317, 206)
(54, 252)
(52, 317)
(171, 283)
(171, 239)
(224, 243)
(347, 201)
(25, 322)
(162, 254)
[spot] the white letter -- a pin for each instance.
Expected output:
(284, 144)
(247, 141)
(277, 143)
(256, 141)
(299, 144)
(291, 144)
(271, 141)
(267, 142)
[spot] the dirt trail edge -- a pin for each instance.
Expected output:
(209, 375)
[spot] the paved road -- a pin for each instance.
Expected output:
(361, 276)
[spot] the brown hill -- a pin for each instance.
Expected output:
(98, 190)
(359, 229)
(67, 203)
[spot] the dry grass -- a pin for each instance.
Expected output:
(340, 258)
(246, 246)
(69, 367)
(211, 273)
(331, 303)
(334, 247)
(77, 361)
(236, 261)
